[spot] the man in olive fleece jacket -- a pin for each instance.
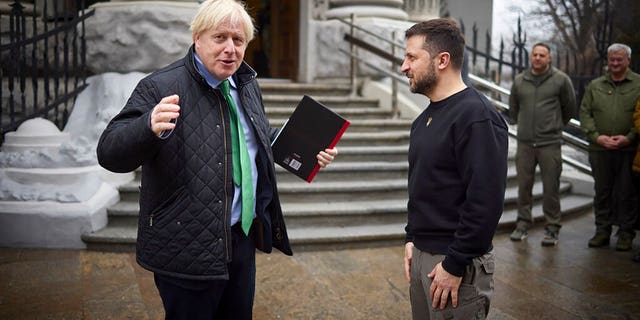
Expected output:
(542, 101)
(457, 178)
(606, 116)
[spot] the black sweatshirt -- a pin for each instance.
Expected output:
(457, 178)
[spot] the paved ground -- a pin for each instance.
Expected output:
(566, 282)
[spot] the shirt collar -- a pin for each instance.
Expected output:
(212, 80)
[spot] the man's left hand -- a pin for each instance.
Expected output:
(620, 141)
(443, 284)
(326, 157)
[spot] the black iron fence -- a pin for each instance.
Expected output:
(43, 66)
(496, 64)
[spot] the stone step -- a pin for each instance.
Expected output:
(128, 208)
(349, 113)
(364, 232)
(113, 238)
(342, 170)
(333, 102)
(394, 153)
(365, 125)
(124, 213)
(384, 138)
(357, 179)
(321, 193)
(345, 213)
(330, 237)
(281, 86)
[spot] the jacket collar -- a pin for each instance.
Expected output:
(530, 76)
(627, 77)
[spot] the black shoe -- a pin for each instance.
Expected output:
(600, 239)
(636, 257)
(550, 238)
(624, 243)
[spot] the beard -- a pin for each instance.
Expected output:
(426, 83)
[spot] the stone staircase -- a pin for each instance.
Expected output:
(358, 201)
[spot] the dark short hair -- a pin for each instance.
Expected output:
(441, 35)
(542, 44)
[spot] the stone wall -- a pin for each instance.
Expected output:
(138, 35)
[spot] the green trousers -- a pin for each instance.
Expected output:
(549, 158)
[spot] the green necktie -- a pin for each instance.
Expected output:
(241, 162)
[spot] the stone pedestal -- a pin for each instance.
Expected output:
(47, 199)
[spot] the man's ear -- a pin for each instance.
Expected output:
(195, 37)
(444, 59)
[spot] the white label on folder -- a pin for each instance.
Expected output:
(293, 163)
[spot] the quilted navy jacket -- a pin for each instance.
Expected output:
(187, 187)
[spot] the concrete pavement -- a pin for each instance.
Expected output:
(566, 282)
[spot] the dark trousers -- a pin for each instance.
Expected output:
(636, 183)
(549, 158)
(214, 299)
(615, 199)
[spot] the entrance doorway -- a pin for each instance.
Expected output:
(273, 53)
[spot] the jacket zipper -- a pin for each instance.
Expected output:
(226, 178)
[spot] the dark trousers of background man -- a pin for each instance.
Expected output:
(636, 183)
(615, 199)
(549, 158)
(216, 299)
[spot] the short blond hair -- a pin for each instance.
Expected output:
(212, 13)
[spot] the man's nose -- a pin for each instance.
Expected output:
(404, 67)
(229, 46)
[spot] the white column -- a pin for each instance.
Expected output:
(391, 9)
(422, 10)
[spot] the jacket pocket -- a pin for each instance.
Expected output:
(488, 264)
(472, 310)
(170, 209)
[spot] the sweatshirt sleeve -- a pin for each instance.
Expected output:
(482, 154)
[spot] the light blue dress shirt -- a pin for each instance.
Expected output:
(252, 146)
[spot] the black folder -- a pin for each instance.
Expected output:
(311, 128)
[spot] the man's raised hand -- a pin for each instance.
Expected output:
(164, 113)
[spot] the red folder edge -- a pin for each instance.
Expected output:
(331, 145)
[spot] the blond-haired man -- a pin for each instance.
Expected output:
(208, 197)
